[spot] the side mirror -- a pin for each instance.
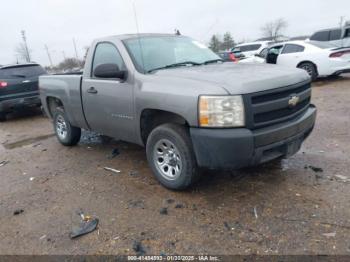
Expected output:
(109, 71)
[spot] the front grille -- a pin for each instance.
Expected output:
(272, 106)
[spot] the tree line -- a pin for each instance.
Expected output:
(271, 30)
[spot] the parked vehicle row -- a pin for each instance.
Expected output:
(251, 49)
(337, 36)
(19, 87)
(317, 58)
(177, 98)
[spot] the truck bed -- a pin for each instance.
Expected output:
(67, 88)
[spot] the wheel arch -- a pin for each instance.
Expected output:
(308, 61)
(151, 118)
(52, 103)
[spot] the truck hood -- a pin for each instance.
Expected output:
(238, 78)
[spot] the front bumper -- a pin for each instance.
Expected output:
(241, 147)
(14, 103)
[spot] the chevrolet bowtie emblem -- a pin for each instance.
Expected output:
(293, 101)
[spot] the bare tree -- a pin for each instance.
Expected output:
(274, 29)
(22, 52)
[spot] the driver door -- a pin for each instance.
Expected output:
(108, 103)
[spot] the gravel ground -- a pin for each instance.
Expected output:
(299, 206)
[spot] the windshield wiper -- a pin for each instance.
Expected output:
(174, 65)
(212, 61)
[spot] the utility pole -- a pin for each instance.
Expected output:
(25, 45)
(342, 29)
(64, 55)
(49, 56)
(75, 49)
(341, 21)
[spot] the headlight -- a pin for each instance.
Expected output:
(221, 111)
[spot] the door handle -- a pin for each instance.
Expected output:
(92, 90)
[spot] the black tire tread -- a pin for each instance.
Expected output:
(179, 132)
(74, 132)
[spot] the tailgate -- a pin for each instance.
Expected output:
(19, 86)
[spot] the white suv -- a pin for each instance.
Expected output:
(250, 49)
(336, 36)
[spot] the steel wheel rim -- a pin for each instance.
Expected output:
(167, 159)
(61, 127)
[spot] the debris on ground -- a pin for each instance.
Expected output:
(170, 201)
(31, 178)
(329, 234)
(2, 163)
(136, 204)
(134, 173)
(179, 206)
(315, 169)
(341, 178)
(138, 248)
(87, 225)
(42, 237)
(227, 226)
(255, 213)
(112, 170)
(115, 152)
(18, 212)
(163, 211)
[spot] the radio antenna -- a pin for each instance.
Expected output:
(138, 35)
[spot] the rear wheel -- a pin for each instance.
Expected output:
(310, 68)
(2, 116)
(171, 156)
(66, 134)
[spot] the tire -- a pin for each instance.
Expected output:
(2, 117)
(310, 68)
(66, 134)
(171, 157)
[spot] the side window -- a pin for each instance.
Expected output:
(275, 50)
(291, 48)
(320, 36)
(264, 52)
(347, 33)
(107, 53)
(335, 34)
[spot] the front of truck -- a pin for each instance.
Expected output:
(238, 114)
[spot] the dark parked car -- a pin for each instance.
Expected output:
(19, 87)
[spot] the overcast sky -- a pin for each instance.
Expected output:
(56, 22)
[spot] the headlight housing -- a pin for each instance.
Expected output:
(221, 111)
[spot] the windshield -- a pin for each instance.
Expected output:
(149, 53)
(22, 71)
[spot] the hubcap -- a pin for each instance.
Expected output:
(61, 127)
(167, 159)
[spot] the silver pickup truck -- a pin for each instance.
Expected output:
(177, 98)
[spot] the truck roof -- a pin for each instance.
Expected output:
(130, 36)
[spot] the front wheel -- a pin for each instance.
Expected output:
(66, 134)
(310, 68)
(171, 156)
